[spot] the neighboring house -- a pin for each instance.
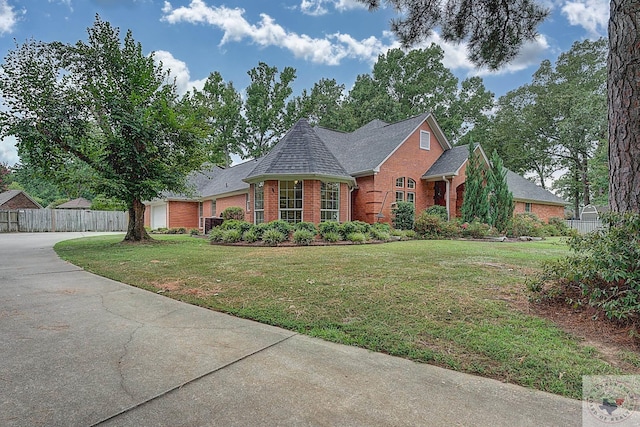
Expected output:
(315, 174)
(17, 199)
(79, 203)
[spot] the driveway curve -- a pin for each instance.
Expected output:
(77, 349)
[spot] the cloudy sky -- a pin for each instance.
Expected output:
(336, 39)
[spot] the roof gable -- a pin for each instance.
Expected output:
(79, 203)
(301, 152)
(10, 194)
(366, 149)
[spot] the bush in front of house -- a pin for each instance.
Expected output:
(273, 236)
(233, 212)
(216, 234)
(250, 236)
(329, 228)
(307, 226)
(525, 224)
(432, 226)
(194, 232)
(303, 237)
(231, 235)
(475, 229)
(350, 227)
(280, 225)
(380, 231)
(404, 216)
(557, 227)
(441, 211)
(235, 224)
(356, 237)
(331, 237)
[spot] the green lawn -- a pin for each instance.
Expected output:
(448, 303)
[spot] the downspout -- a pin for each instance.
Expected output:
(447, 201)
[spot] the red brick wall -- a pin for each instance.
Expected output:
(345, 202)
(544, 212)
(311, 201)
(408, 161)
(271, 201)
(183, 214)
(19, 201)
(237, 201)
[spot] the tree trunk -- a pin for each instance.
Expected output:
(624, 106)
(135, 230)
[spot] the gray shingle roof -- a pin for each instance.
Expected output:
(10, 194)
(364, 150)
(301, 152)
(448, 163)
(525, 190)
(79, 203)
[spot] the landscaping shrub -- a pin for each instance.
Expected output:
(331, 236)
(433, 226)
(525, 224)
(404, 216)
(356, 237)
(215, 235)
(304, 237)
(327, 227)
(381, 226)
(273, 236)
(378, 234)
(233, 212)
(603, 271)
(557, 227)
(280, 225)
(475, 230)
(234, 224)
(194, 232)
(260, 229)
(308, 226)
(441, 211)
(350, 227)
(231, 235)
(250, 236)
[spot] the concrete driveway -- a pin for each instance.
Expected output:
(78, 350)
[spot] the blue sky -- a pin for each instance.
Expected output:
(336, 39)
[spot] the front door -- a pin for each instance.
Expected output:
(440, 196)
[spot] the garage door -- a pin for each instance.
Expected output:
(159, 216)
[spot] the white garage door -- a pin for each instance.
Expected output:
(159, 216)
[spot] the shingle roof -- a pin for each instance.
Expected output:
(301, 152)
(525, 190)
(448, 163)
(10, 194)
(365, 149)
(79, 203)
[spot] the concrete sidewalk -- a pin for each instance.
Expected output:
(77, 350)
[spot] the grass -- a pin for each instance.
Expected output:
(448, 303)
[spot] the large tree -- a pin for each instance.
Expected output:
(5, 177)
(221, 108)
(268, 110)
(404, 84)
(495, 30)
(107, 106)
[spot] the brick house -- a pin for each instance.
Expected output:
(17, 199)
(315, 174)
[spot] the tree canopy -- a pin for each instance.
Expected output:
(102, 105)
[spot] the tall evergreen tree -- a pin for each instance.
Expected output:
(475, 202)
(501, 204)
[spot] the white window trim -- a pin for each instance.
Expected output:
(293, 209)
(337, 210)
(425, 140)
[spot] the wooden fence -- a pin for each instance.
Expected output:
(584, 226)
(38, 220)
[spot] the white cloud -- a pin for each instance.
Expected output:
(8, 151)
(319, 7)
(592, 15)
(178, 70)
(330, 50)
(8, 18)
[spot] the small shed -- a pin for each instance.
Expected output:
(79, 203)
(589, 213)
(17, 199)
